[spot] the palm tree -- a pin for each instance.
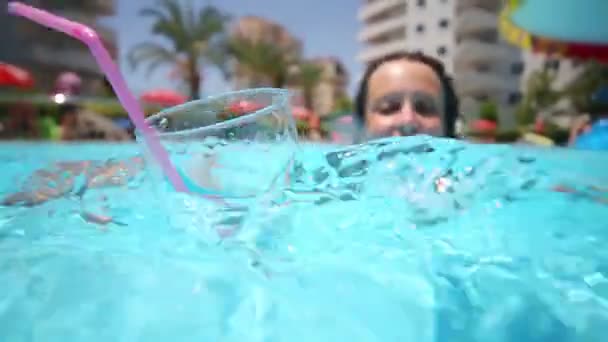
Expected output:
(539, 96)
(308, 75)
(579, 90)
(540, 91)
(195, 40)
(261, 61)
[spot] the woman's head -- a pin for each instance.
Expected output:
(405, 94)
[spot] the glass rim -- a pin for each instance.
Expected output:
(224, 124)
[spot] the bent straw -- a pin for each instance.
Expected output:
(90, 38)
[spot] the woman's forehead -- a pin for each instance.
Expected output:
(403, 75)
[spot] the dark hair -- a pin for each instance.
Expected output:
(450, 99)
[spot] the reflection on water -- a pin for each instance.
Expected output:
(416, 239)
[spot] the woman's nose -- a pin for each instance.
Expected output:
(406, 114)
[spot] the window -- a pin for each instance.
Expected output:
(514, 98)
(517, 68)
(490, 36)
(442, 50)
(421, 3)
(481, 98)
(420, 28)
(482, 67)
(443, 23)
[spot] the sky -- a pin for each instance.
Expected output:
(325, 27)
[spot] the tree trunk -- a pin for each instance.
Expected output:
(308, 98)
(194, 78)
(195, 86)
(278, 81)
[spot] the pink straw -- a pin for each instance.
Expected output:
(89, 37)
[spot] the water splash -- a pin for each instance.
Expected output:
(400, 239)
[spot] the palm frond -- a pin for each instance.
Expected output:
(308, 75)
(191, 33)
(210, 22)
(153, 12)
(151, 53)
(169, 22)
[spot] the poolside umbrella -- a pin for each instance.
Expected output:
(11, 75)
(244, 107)
(163, 97)
(68, 83)
(484, 126)
(565, 28)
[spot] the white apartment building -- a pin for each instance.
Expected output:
(461, 33)
(384, 28)
(565, 69)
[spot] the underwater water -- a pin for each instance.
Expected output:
(409, 239)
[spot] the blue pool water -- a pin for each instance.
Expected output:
(413, 239)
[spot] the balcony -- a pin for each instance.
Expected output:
(475, 20)
(488, 5)
(376, 30)
(376, 51)
(372, 9)
(473, 83)
(471, 53)
(79, 60)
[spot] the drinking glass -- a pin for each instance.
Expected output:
(236, 145)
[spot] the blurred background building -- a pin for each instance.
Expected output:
(486, 67)
(463, 34)
(256, 29)
(331, 86)
(383, 28)
(46, 53)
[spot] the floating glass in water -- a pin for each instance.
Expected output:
(236, 145)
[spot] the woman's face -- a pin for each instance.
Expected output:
(404, 98)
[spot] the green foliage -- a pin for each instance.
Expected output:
(110, 108)
(559, 135)
(507, 136)
(263, 62)
(524, 113)
(540, 93)
(500, 136)
(580, 89)
(302, 128)
(344, 104)
(488, 111)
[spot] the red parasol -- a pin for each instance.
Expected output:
(163, 97)
(244, 107)
(11, 75)
(301, 113)
(314, 121)
(484, 126)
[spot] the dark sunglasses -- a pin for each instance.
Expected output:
(422, 103)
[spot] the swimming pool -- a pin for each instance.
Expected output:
(415, 239)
